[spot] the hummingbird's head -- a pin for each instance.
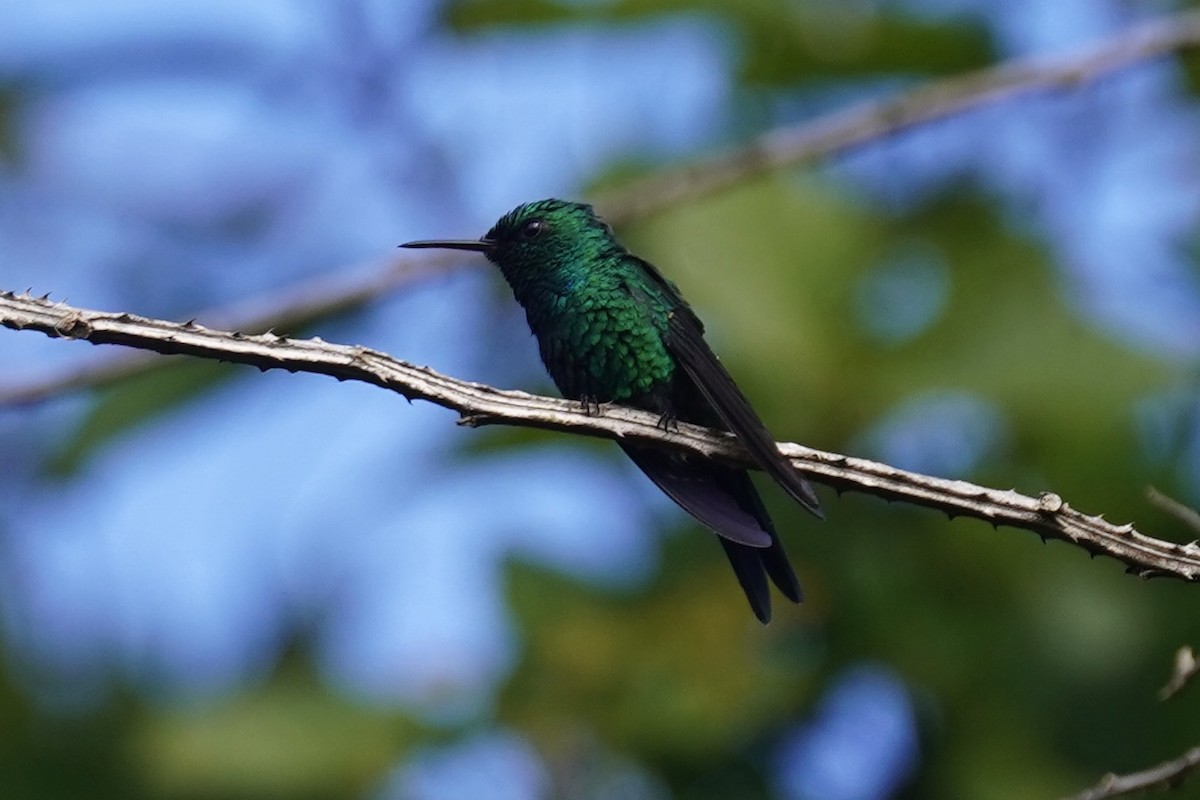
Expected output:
(539, 238)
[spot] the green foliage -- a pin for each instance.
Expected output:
(679, 675)
(780, 43)
(62, 755)
(293, 739)
(676, 676)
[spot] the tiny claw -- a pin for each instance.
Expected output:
(590, 406)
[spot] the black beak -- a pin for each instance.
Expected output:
(477, 246)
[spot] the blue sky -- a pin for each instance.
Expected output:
(149, 126)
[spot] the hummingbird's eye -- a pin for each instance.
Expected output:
(532, 229)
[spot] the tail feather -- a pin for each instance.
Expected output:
(775, 561)
(748, 568)
(725, 500)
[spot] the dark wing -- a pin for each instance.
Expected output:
(685, 340)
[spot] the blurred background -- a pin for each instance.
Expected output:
(216, 583)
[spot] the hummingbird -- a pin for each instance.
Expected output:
(611, 328)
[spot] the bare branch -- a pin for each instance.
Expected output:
(1185, 669)
(1167, 775)
(870, 121)
(291, 309)
(1047, 515)
(1188, 516)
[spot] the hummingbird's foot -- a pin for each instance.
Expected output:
(668, 422)
(591, 406)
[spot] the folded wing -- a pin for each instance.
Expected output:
(685, 340)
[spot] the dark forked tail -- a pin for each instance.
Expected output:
(725, 501)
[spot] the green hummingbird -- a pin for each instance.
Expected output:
(612, 329)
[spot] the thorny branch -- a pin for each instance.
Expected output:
(293, 308)
(1047, 515)
(1167, 775)
(776, 149)
(867, 122)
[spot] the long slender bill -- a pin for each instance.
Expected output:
(474, 245)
